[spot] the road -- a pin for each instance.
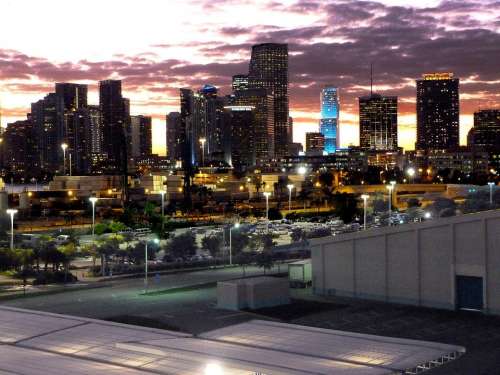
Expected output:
(188, 310)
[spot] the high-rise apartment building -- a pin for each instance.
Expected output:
(44, 117)
(269, 70)
(140, 137)
(185, 134)
(240, 151)
(20, 149)
(263, 124)
(486, 131)
(173, 127)
(115, 119)
(438, 111)
(378, 122)
(329, 122)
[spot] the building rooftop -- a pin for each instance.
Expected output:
(42, 343)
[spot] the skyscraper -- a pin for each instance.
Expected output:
(45, 125)
(240, 82)
(437, 111)
(173, 126)
(269, 70)
(184, 135)
(263, 124)
(378, 122)
(329, 122)
(114, 122)
(71, 98)
(240, 151)
(486, 131)
(140, 136)
(21, 155)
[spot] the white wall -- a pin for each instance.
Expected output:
(412, 263)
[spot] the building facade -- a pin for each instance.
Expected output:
(173, 126)
(438, 110)
(449, 263)
(240, 145)
(269, 70)
(240, 82)
(378, 122)
(315, 143)
(329, 122)
(486, 131)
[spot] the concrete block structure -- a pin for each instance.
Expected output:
(449, 263)
(252, 293)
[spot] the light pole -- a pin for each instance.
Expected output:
(156, 241)
(491, 184)
(162, 193)
(236, 226)
(267, 194)
(11, 212)
(70, 170)
(411, 173)
(390, 188)
(202, 141)
(64, 146)
(365, 198)
(290, 188)
(93, 200)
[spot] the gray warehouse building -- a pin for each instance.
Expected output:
(449, 263)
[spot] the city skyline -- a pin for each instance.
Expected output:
(329, 43)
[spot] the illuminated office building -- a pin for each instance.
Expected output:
(378, 122)
(486, 131)
(240, 82)
(269, 70)
(329, 122)
(437, 111)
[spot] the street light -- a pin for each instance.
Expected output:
(162, 193)
(427, 215)
(11, 212)
(156, 241)
(64, 146)
(93, 200)
(365, 198)
(236, 226)
(411, 173)
(491, 184)
(202, 141)
(302, 170)
(390, 188)
(267, 194)
(290, 188)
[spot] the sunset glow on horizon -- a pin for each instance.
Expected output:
(158, 47)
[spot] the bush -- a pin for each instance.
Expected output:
(56, 277)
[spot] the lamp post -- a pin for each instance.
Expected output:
(236, 226)
(390, 188)
(491, 184)
(156, 241)
(93, 200)
(162, 193)
(70, 167)
(290, 188)
(267, 194)
(64, 146)
(202, 141)
(365, 198)
(11, 212)
(411, 173)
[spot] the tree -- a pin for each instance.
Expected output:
(182, 245)
(275, 214)
(265, 260)
(297, 235)
(212, 244)
(326, 178)
(267, 242)
(239, 241)
(68, 251)
(243, 259)
(413, 202)
(443, 206)
(346, 206)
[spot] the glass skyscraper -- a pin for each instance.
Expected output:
(329, 122)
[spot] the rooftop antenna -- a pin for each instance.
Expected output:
(371, 78)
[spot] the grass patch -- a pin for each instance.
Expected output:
(297, 309)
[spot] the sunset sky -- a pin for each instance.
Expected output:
(156, 47)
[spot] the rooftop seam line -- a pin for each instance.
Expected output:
(48, 333)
